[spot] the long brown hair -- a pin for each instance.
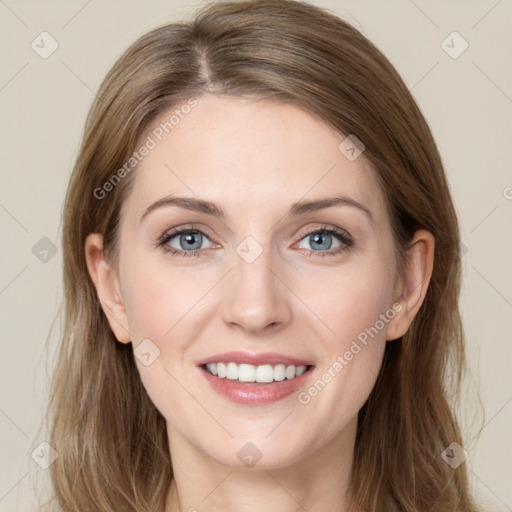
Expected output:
(111, 439)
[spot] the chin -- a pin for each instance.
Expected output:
(255, 455)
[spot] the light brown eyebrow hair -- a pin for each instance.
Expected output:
(300, 208)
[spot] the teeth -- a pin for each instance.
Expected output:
(246, 373)
(249, 373)
(290, 372)
(279, 372)
(300, 371)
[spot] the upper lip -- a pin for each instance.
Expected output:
(272, 358)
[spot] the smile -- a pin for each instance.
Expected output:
(265, 373)
(255, 379)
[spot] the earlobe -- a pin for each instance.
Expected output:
(414, 283)
(107, 286)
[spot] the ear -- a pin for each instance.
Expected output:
(412, 287)
(106, 281)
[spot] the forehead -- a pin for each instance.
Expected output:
(245, 153)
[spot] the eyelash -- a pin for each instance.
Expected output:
(340, 235)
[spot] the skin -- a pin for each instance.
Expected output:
(244, 154)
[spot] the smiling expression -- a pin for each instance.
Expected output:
(248, 245)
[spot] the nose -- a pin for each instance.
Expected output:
(256, 298)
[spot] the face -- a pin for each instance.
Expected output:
(258, 285)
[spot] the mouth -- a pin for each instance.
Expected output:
(255, 379)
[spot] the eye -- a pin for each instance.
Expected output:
(185, 242)
(321, 241)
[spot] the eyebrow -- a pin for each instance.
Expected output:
(210, 208)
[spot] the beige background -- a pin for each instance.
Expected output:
(43, 102)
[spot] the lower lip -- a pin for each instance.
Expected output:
(254, 393)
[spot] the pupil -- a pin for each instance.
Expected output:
(189, 238)
(318, 237)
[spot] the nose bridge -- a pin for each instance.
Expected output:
(256, 297)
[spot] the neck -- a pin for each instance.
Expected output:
(316, 483)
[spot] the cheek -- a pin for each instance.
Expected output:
(158, 297)
(349, 301)
(160, 305)
(355, 313)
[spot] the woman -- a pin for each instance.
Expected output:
(261, 279)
